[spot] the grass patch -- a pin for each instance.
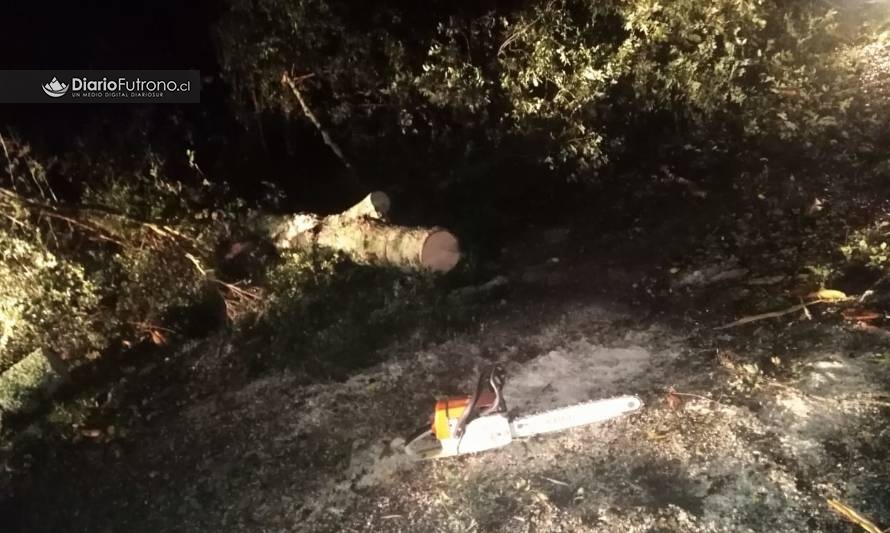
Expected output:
(327, 316)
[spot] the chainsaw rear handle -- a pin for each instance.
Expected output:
(486, 399)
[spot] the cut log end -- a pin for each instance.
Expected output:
(380, 201)
(441, 251)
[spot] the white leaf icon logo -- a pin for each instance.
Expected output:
(55, 88)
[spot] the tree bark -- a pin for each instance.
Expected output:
(362, 233)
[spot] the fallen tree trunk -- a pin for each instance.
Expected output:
(362, 233)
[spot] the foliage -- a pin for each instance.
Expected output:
(327, 315)
(46, 302)
(154, 272)
(81, 272)
(571, 84)
(869, 245)
(583, 88)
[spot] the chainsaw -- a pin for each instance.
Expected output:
(469, 424)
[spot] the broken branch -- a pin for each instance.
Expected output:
(292, 85)
(773, 314)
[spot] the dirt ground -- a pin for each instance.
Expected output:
(751, 428)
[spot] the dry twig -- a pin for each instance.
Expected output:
(671, 390)
(8, 162)
(236, 299)
(850, 514)
(94, 220)
(773, 314)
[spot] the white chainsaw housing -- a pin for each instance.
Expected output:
(572, 416)
(483, 433)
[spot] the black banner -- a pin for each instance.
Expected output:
(100, 86)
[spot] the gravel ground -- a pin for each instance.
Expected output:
(730, 450)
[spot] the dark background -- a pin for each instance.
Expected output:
(233, 147)
(165, 34)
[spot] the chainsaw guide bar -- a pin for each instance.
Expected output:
(469, 424)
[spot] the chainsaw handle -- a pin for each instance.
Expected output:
(496, 384)
(488, 392)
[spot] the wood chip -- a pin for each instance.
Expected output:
(874, 330)
(859, 314)
(556, 481)
(827, 294)
(656, 435)
(673, 400)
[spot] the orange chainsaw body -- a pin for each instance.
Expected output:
(465, 424)
(448, 412)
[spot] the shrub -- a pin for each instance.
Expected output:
(105, 262)
(571, 84)
(47, 302)
(869, 246)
